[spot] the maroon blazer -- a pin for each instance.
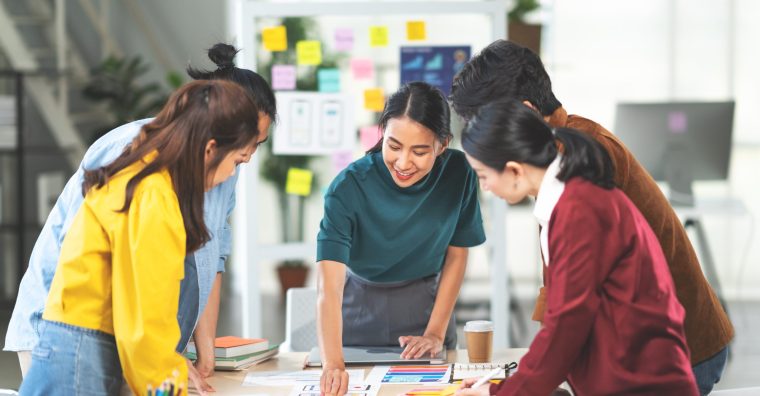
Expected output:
(613, 324)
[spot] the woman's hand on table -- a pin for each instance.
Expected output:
(416, 347)
(334, 380)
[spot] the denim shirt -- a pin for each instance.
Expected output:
(200, 268)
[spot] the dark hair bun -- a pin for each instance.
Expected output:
(223, 55)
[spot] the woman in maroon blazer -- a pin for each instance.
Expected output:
(613, 325)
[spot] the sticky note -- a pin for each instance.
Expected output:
(344, 39)
(309, 52)
(328, 80)
(374, 100)
(362, 68)
(299, 182)
(342, 159)
(378, 36)
(369, 136)
(415, 31)
(275, 38)
(284, 77)
(677, 121)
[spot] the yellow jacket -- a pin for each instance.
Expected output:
(120, 273)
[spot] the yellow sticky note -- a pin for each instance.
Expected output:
(309, 52)
(415, 31)
(299, 182)
(275, 38)
(378, 36)
(374, 99)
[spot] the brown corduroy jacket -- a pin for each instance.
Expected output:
(708, 329)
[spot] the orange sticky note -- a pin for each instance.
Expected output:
(374, 99)
(275, 38)
(415, 31)
(309, 52)
(378, 36)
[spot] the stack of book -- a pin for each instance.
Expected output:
(235, 353)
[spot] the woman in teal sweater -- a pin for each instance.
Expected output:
(392, 246)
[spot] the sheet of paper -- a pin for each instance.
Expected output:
(353, 390)
(275, 38)
(342, 159)
(309, 52)
(438, 374)
(303, 377)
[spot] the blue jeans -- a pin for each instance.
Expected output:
(71, 360)
(708, 372)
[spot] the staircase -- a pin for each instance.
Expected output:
(26, 31)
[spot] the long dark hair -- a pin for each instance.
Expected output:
(503, 70)
(223, 56)
(421, 103)
(510, 131)
(193, 115)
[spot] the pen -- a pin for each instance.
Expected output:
(487, 377)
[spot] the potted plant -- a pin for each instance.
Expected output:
(521, 32)
(114, 82)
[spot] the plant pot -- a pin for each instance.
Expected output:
(527, 35)
(292, 276)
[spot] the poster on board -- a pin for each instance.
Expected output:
(313, 123)
(435, 65)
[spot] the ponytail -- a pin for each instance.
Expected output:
(584, 157)
(510, 131)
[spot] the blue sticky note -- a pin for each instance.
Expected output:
(328, 80)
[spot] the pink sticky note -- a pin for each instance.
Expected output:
(677, 122)
(369, 136)
(362, 68)
(342, 159)
(284, 77)
(344, 39)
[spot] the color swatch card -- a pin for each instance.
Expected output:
(415, 31)
(409, 374)
(275, 38)
(284, 77)
(344, 39)
(378, 36)
(309, 52)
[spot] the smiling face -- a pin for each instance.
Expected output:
(409, 150)
(227, 166)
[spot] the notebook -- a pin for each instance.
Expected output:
(460, 371)
(373, 355)
(230, 346)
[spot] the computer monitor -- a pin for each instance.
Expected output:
(678, 142)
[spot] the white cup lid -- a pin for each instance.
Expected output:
(478, 325)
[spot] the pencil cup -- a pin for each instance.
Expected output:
(479, 335)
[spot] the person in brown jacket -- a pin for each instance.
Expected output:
(507, 70)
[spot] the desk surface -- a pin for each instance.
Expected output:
(231, 382)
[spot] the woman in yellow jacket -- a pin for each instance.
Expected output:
(112, 308)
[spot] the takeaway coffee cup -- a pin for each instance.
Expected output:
(479, 335)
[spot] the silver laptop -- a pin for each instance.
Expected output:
(373, 355)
